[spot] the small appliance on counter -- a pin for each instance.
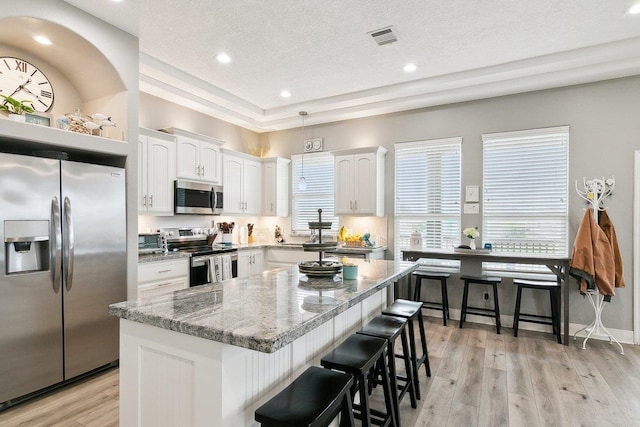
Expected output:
(150, 243)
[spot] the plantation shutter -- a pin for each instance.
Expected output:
(427, 193)
(525, 193)
(319, 175)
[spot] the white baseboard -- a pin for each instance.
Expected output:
(624, 336)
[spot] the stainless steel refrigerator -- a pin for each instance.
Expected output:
(62, 262)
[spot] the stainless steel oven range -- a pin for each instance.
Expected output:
(194, 242)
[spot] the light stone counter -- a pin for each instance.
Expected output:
(162, 257)
(263, 312)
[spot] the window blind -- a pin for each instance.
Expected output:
(427, 193)
(319, 175)
(525, 197)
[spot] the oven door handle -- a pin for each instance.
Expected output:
(200, 260)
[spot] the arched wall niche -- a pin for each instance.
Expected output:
(82, 77)
(100, 60)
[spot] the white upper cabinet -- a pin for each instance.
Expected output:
(359, 181)
(156, 172)
(242, 182)
(275, 186)
(198, 156)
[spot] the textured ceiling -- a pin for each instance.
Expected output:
(321, 52)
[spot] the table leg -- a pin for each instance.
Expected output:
(565, 301)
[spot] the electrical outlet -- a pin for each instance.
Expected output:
(485, 296)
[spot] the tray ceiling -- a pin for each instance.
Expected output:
(322, 53)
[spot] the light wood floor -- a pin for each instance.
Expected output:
(478, 379)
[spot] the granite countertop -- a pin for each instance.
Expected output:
(161, 257)
(298, 246)
(263, 312)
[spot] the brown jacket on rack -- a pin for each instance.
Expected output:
(592, 262)
(607, 227)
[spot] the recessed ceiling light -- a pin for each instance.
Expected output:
(635, 9)
(410, 67)
(285, 94)
(223, 57)
(42, 40)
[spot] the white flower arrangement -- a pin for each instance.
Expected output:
(471, 232)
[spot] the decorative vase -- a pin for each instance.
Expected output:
(472, 243)
(17, 117)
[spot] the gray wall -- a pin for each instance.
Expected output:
(605, 131)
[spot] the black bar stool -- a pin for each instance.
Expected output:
(412, 310)
(554, 296)
(435, 276)
(480, 311)
(390, 328)
(313, 399)
(358, 355)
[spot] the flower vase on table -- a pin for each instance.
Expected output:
(472, 234)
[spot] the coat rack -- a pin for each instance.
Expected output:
(594, 191)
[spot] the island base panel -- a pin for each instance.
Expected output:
(169, 378)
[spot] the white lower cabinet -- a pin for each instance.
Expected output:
(250, 262)
(159, 277)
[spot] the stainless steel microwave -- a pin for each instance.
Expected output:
(197, 198)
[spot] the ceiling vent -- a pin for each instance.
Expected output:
(383, 36)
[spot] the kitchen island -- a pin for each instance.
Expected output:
(211, 355)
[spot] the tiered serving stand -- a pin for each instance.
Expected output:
(321, 274)
(320, 268)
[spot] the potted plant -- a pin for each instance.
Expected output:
(16, 108)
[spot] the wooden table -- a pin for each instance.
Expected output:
(557, 265)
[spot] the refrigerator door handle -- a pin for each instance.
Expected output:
(68, 219)
(57, 235)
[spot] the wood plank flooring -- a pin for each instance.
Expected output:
(478, 379)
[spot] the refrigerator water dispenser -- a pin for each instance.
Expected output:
(26, 245)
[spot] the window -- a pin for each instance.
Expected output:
(427, 191)
(318, 172)
(525, 199)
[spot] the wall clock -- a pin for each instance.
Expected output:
(24, 81)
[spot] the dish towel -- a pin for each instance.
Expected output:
(218, 263)
(214, 270)
(226, 267)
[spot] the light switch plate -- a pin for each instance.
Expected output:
(472, 193)
(472, 208)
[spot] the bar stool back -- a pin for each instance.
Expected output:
(554, 296)
(313, 399)
(480, 311)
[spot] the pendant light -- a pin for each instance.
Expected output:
(302, 182)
